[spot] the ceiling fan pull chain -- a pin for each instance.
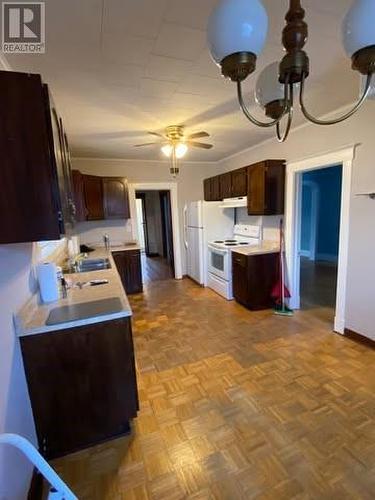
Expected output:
(312, 119)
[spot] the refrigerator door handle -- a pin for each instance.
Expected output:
(185, 227)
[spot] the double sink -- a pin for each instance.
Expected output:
(89, 265)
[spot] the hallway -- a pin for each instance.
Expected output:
(155, 269)
(236, 405)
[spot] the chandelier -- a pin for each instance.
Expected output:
(237, 32)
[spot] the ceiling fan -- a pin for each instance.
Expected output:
(174, 142)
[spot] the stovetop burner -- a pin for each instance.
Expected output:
(219, 241)
(230, 241)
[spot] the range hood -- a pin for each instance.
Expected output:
(239, 202)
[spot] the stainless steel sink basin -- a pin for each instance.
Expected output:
(88, 265)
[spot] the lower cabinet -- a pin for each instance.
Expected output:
(254, 277)
(129, 266)
(82, 385)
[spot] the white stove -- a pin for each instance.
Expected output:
(220, 257)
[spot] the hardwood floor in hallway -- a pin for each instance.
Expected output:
(237, 405)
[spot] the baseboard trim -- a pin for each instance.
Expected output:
(36, 486)
(361, 339)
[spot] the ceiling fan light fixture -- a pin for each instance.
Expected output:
(167, 150)
(181, 150)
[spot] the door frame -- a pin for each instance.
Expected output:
(141, 196)
(315, 199)
(173, 189)
(344, 157)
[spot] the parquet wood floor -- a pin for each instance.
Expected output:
(237, 405)
(155, 269)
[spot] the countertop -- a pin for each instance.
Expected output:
(264, 248)
(31, 319)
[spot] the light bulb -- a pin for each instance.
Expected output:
(167, 150)
(358, 29)
(181, 150)
(268, 88)
(237, 26)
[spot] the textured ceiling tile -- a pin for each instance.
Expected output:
(192, 13)
(167, 68)
(127, 49)
(180, 42)
(134, 17)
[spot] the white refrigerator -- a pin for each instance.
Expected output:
(204, 222)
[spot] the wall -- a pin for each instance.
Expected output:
(189, 182)
(16, 287)
(313, 140)
(91, 232)
(329, 184)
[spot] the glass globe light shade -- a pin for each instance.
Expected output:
(167, 150)
(358, 29)
(237, 26)
(181, 150)
(268, 88)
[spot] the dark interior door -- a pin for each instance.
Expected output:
(167, 227)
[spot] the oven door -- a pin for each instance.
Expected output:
(218, 262)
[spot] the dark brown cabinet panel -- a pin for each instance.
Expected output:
(116, 198)
(239, 182)
(30, 208)
(211, 188)
(225, 181)
(79, 195)
(129, 266)
(93, 189)
(254, 277)
(88, 380)
(266, 186)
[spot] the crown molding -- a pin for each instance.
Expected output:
(138, 160)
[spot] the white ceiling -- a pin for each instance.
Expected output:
(118, 68)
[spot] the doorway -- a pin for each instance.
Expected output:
(319, 240)
(155, 228)
(344, 157)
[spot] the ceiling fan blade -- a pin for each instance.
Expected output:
(198, 135)
(146, 144)
(157, 134)
(200, 145)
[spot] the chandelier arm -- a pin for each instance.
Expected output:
(342, 118)
(283, 137)
(255, 121)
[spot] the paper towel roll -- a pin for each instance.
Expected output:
(48, 283)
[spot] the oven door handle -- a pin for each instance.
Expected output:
(217, 250)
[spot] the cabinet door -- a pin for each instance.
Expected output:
(89, 385)
(29, 201)
(239, 182)
(225, 185)
(207, 189)
(262, 275)
(215, 188)
(93, 189)
(79, 196)
(256, 202)
(240, 279)
(129, 266)
(116, 198)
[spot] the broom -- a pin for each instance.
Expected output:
(280, 292)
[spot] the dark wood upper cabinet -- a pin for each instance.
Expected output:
(93, 190)
(211, 188)
(79, 195)
(239, 182)
(30, 204)
(266, 187)
(225, 181)
(89, 385)
(116, 198)
(129, 266)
